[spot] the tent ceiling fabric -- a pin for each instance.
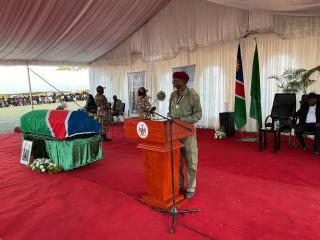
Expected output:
(188, 24)
(285, 7)
(72, 31)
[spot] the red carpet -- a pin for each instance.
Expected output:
(243, 195)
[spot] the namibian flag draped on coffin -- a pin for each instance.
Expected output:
(59, 124)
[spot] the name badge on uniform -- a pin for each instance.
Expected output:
(178, 101)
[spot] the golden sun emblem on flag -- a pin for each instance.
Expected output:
(238, 65)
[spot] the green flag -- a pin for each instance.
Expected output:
(255, 105)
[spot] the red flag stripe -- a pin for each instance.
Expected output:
(57, 123)
(240, 89)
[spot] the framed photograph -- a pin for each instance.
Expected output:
(26, 152)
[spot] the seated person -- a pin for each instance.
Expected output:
(117, 106)
(62, 105)
(91, 106)
(309, 121)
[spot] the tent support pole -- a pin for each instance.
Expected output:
(30, 91)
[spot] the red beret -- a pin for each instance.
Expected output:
(181, 75)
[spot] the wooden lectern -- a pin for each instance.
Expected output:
(155, 144)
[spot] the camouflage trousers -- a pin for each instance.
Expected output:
(189, 157)
(104, 121)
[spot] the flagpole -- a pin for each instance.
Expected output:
(246, 139)
(255, 93)
(257, 122)
(240, 104)
(30, 89)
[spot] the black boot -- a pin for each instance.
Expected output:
(105, 138)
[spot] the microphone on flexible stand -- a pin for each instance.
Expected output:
(160, 97)
(151, 110)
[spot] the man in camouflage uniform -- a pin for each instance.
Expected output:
(143, 103)
(184, 104)
(103, 112)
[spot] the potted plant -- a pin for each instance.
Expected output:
(295, 80)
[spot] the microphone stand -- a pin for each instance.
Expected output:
(173, 211)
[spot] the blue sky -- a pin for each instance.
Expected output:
(14, 79)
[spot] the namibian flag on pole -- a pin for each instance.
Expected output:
(240, 115)
(255, 106)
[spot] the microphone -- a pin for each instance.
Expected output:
(160, 97)
(151, 110)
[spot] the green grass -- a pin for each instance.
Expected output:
(10, 116)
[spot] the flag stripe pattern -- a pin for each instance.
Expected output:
(240, 115)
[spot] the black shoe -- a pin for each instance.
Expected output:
(315, 153)
(105, 138)
(305, 148)
(190, 195)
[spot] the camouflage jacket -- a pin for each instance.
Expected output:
(102, 104)
(143, 107)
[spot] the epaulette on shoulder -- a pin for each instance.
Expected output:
(192, 91)
(174, 92)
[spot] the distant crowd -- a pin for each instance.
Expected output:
(42, 99)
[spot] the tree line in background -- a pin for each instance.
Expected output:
(72, 68)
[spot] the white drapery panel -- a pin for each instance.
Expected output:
(188, 24)
(72, 31)
(290, 7)
(215, 73)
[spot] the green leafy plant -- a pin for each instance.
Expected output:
(295, 80)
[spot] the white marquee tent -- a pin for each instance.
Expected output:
(119, 37)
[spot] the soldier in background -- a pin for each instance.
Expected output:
(143, 104)
(103, 110)
(117, 106)
(91, 106)
(184, 104)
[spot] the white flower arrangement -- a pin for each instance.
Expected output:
(44, 165)
(219, 134)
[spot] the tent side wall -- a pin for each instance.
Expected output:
(208, 37)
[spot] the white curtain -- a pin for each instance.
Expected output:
(215, 73)
(189, 24)
(199, 32)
